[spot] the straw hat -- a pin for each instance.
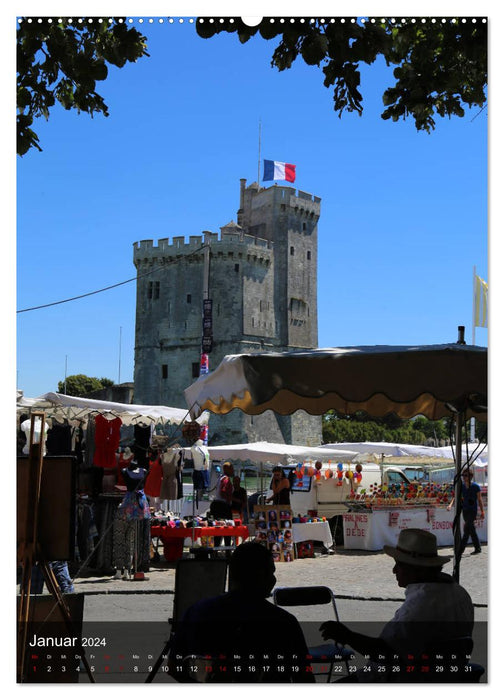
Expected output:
(417, 548)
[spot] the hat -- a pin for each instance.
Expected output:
(417, 548)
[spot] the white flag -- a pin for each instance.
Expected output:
(480, 302)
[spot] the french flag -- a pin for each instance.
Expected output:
(274, 170)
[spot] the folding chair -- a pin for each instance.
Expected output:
(195, 579)
(324, 653)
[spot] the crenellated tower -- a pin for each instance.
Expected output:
(262, 279)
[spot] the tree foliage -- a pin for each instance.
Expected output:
(417, 431)
(81, 384)
(59, 61)
(440, 67)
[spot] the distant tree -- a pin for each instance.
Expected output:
(81, 384)
(361, 428)
(61, 62)
(440, 66)
(436, 430)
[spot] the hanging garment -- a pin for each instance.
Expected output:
(201, 456)
(107, 436)
(59, 439)
(89, 443)
(124, 463)
(154, 478)
(142, 444)
(172, 464)
(131, 537)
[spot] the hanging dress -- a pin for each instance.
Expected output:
(154, 478)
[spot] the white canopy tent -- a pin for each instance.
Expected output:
(277, 453)
(474, 453)
(73, 407)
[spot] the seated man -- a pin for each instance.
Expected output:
(435, 611)
(240, 637)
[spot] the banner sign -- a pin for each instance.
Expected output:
(371, 530)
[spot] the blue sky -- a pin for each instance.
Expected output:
(403, 222)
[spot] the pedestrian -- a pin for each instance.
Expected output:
(436, 611)
(471, 500)
(239, 499)
(281, 487)
(220, 507)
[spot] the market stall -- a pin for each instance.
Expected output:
(430, 380)
(372, 529)
(99, 435)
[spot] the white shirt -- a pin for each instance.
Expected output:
(26, 428)
(200, 455)
(438, 611)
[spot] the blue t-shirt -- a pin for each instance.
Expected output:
(470, 497)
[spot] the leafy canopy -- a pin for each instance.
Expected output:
(81, 384)
(440, 66)
(61, 61)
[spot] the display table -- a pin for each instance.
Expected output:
(318, 532)
(372, 529)
(173, 537)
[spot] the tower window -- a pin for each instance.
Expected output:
(304, 225)
(153, 290)
(292, 250)
(188, 298)
(308, 254)
(237, 267)
(164, 371)
(195, 370)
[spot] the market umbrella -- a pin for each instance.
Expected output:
(430, 380)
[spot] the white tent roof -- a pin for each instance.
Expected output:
(390, 449)
(70, 407)
(278, 453)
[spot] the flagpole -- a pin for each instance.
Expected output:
(474, 307)
(472, 433)
(259, 158)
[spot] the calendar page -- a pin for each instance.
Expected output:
(194, 188)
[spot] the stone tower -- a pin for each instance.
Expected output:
(262, 280)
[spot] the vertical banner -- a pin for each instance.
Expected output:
(480, 302)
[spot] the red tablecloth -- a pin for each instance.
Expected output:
(173, 533)
(171, 536)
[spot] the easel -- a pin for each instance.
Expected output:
(29, 550)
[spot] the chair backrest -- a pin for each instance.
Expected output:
(196, 579)
(311, 605)
(303, 595)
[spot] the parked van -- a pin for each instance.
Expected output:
(329, 497)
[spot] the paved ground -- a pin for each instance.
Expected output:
(350, 574)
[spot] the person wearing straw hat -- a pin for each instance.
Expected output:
(436, 608)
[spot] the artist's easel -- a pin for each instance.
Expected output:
(29, 551)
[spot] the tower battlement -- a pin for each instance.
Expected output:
(178, 245)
